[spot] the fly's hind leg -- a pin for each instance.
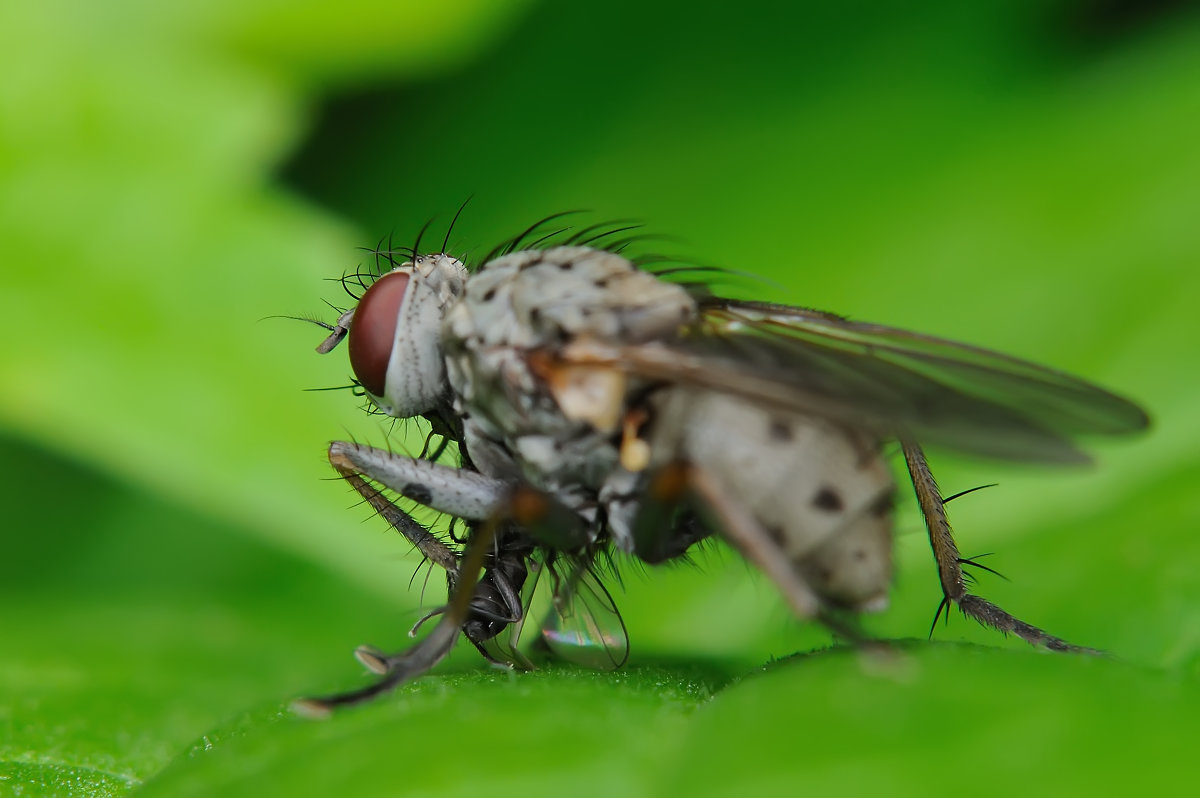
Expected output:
(949, 563)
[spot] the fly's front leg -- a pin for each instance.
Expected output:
(426, 542)
(457, 492)
(432, 649)
(949, 563)
(465, 494)
(491, 503)
(449, 490)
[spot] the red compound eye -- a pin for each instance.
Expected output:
(373, 330)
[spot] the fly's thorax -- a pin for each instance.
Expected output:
(568, 468)
(523, 414)
(396, 334)
(821, 492)
(538, 298)
(517, 309)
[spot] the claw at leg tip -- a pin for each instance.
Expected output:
(311, 708)
(372, 659)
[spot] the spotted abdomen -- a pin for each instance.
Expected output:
(821, 492)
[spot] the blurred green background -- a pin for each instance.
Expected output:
(175, 563)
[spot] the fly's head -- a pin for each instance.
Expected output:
(395, 334)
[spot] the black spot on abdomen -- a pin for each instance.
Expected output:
(827, 499)
(780, 430)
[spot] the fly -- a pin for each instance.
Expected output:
(597, 406)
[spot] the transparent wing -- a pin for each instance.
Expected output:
(584, 625)
(580, 621)
(868, 376)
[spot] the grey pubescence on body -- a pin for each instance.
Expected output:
(595, 404)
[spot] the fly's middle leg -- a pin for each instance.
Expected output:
(740, 527)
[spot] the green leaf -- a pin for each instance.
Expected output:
(173, 570)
